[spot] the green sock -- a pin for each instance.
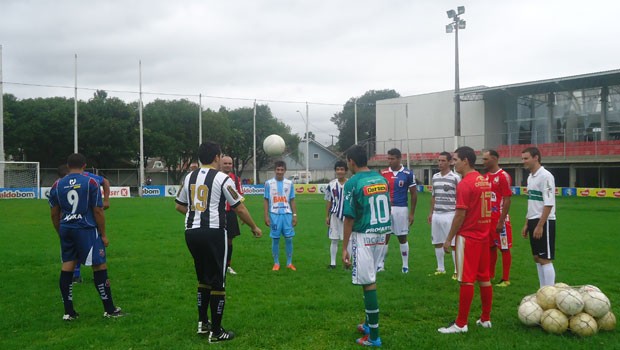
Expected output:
(372, 312)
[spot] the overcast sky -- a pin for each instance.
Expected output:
(320, 51)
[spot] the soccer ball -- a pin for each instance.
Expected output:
(561, 285)
(554, 321)
(588, 287)
(274, 145)
(545, 297)
(569, 301)
(607, 322)
(583, 325)
(530, 313)
(531, 297)
(595, 303)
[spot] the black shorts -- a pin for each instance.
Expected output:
(208, 247)
(232, 224)
(545, 246)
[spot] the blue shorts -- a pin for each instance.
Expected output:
(82, 244)
(281, 225)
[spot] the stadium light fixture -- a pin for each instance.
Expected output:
(456, 24)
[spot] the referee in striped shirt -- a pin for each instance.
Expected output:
(202, 199)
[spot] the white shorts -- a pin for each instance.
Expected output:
(400, 221)
(367, 250)
(440, 227)
(336, 227)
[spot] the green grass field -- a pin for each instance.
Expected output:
(314, 308)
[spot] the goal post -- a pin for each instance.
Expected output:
(20, 180)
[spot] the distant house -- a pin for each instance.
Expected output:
(320, 164)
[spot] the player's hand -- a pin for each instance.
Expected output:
(257, 232)
(105, 241)
(538, 231)
(346, 259)
(267, 222)
(294, 221)
(327, 221)
(106, 204)
(430, 218)
(524, 232)
(500, 227)
(447, 247)
(411, 219)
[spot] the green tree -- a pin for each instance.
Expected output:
(366, 118)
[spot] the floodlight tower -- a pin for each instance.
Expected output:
(456, 24)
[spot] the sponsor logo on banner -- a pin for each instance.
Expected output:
(322, 188)
(18, 193)
(601, 193)
(153, 191)
(569, 191)
(516, 190)
(584, 192)
(119, 192)
(253, 190)
(299, 189)
(312, 189)
(617, 194)
(171, 191)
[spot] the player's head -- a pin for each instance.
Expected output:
(464, 159)
(193, 166)
(63, 170)
(394, 157)
(531, 158)
(226, 164)
(443, 161)
(490, 158)
(357, 158)
(341, 169)
(209, 152)
(280, 169)
(76, 161)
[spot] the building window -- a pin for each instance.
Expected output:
(315, 156)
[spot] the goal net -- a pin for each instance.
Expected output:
(19, 180)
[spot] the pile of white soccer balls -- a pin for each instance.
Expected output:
(584, 310)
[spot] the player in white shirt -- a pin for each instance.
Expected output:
(443, 206)
(540, 218)
(334, 217)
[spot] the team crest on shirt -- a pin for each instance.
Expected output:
(496, 180)
(232, 192)
(401, 183)
(101, 253)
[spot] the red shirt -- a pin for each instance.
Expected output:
(500, 187)
(237, 186)
(473, 194)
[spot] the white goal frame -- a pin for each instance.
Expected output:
(11, 187)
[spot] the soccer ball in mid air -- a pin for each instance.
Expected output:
(530, 313)
(554, 321)
(583, 325)
(274, 145)
(607, 322)
(595, 303)
(569, 301)
(545, 297)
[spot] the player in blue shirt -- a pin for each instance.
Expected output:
(77, 216)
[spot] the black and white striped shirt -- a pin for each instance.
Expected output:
(444, 191)
(205, 192)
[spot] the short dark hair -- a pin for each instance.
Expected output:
(279, 163)
(341, 164)
(63, 170)
(395, 152)
(534, 151)
(466, 152)
(76, 161)
(207, 152)
(447, 155)
(358, 155)
(493, 153)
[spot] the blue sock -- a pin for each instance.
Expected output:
(76, 272)
(275, 250)
(289, 250)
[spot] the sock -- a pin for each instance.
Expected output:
(454, 259)
(76, 272)
(541, 275)
(404, 253)
(371, 303)
(66, 290)
(492, 261)
(288, 241)
(102, 283)
(381, 263)
(506, 262)
(203, 295)
(275, 250)
(549, 274)
(217, 302)
(466, 295)
(486, 297)
(333, 251)
(440, 254)
(229, 255)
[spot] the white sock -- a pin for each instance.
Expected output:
(381, 263)
(454, 259)
(333, 251)
(549, 274)
(541, 274)
(440, 254)
(404, 253)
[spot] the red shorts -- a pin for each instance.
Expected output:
(501, 240)
(472, 260)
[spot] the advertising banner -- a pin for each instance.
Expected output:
(119, 192)
(18, 193)
(153, 191)
(171, 190)
(253, 190)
